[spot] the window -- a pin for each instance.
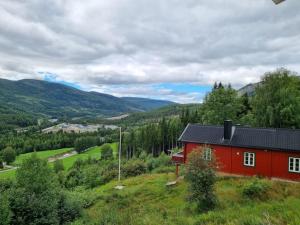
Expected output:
(249, 159)
(294, 165)
(207, 154)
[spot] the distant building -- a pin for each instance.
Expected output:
(77, 128)
(267, 152)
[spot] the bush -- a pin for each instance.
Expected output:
(5, 184)
(256, 189)
(69, 208)
(109, 171)
(201, 176)
(5, 213)
(8, 155)
(134, 168)
(162, 161)
(74, 178)
(58, 166)
(106, 152)
(92, 176)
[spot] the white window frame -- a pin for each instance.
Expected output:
(249, 159)
(294, 164)
(207, 154)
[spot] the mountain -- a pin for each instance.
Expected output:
(148, 104)
(248, 89)
(57, 100)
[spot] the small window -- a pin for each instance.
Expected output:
(207, 154)
(294, 165)
(249, 159)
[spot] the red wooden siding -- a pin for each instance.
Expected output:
(267, 163)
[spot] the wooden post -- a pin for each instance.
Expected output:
(177, 170)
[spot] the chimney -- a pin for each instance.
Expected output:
(227, 129)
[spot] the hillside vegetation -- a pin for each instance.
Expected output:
(57, 100)
(146, 200)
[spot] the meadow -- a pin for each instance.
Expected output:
(94, 152)
(41, 154)
(146, 200)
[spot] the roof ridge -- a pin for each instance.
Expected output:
(245, 127)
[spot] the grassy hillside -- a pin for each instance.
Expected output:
(42, 154)
(146, 200)
(57, 100)
(94, 152)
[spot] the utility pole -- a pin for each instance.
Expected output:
(120, 150)
(120, 186)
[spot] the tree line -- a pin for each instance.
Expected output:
(275, 103)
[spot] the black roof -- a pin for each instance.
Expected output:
(260, 138)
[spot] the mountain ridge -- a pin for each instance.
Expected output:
(52, 99)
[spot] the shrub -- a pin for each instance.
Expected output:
(8, 155)
(164, 169)
(134, 167)
(69, 208)
(58, 166)
(109, 171)
(92, 176)
(74, 178)
(5, 213)
(162, 161)
(256, 189)
(5, 184)
(201, 176)
(143, 155)
(106, 152)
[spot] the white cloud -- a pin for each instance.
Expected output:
(133, 43)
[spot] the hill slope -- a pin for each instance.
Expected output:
(146, 200)
(146, 103)
(58, 100)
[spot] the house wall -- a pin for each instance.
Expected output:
(267, 163)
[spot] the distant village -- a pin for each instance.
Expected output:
(77, 128)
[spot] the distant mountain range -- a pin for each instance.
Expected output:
(57, 100)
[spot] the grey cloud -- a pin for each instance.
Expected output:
(147, 42)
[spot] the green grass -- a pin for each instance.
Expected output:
(94, 152)
(42, 154)
(146, 200)
(10, 174)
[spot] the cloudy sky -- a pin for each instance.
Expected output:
(165, 49)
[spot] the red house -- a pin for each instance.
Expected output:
(267, 152)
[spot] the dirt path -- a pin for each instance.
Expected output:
(66, 155)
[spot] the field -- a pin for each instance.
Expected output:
(68, 162)
(93, 153)
(146, 200)
(42, 154)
